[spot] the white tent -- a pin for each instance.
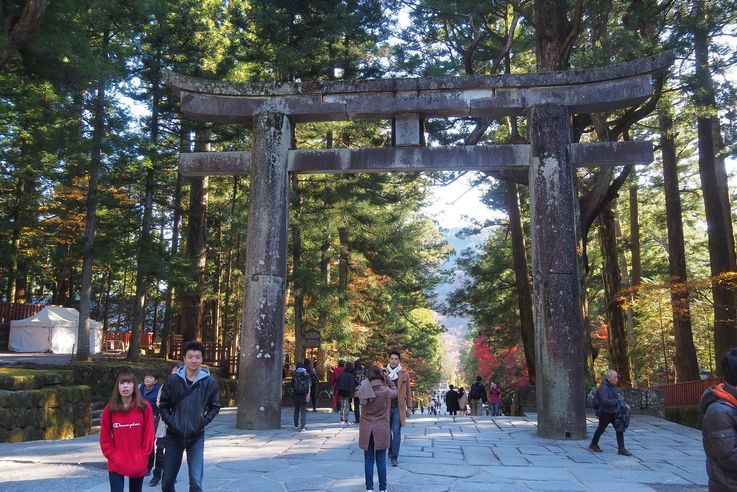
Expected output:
(53, 329)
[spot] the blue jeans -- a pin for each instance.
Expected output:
(495, 409)
(173, 461)
(395, 424)
(136, 484)
(368, 461)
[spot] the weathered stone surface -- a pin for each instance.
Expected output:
(397, 159)
(654, 64)
(262, 335)
(558, 323)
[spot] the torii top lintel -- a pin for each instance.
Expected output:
(585, 91)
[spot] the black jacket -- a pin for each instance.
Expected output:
(451, 401)
(479, 387)
(187, 408)
(608, 398)
(346, 384)
(719, 430)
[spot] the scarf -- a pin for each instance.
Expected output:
(394, 373)
(366, 393)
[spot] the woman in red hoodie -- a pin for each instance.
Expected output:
(127, 434)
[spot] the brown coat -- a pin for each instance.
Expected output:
(404, 398)
(375, 415)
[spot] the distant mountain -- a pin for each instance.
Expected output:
(455, 328)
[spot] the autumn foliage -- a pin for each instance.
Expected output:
(504, 366)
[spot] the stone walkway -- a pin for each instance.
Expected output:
(437, 455)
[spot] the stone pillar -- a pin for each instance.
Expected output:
(262, 335)
(561, 411)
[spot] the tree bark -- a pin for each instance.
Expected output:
(686, 363)
(718, 213)
(619, 358)
(522, 278)
(185, 145)
(190, 313)
(636, 269)
(299, 297)
(85, 294)
(144, 272)
(23, 28)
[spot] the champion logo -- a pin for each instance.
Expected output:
(118, 425)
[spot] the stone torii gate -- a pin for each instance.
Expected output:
(547, 99)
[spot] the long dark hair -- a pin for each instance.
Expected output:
(374, 372)
(116, 402)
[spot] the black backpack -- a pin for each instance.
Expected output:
(595, 403)
(301, 383)
(475, 393)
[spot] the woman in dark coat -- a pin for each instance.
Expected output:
(451, 401)
(375, 394)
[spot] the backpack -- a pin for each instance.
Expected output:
(593, 398)
(475, 393)
(301, 383)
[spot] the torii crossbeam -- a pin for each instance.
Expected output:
(547, 99)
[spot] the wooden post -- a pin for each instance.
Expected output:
(561, 411)
(262, 335)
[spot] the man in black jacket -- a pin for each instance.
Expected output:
(189, 401)
(719, 428)
(477, 395)
(610, 405)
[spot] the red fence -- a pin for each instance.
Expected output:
(686, 394)
(109, 339)
(216, 355)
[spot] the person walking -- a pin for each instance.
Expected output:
(375, 394)
(333, 380)
(315, 379)
(149, 391)
(719, 427)
(611, 407)
(346, 387)
(359, 374)
(477, 396)
(451, 401)
(189, 402)
(301, 385)
(495, 399)
(462, 401)
(399, 405)
(161, 439)
(126, 434)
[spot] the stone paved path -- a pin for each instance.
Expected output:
(437, 455)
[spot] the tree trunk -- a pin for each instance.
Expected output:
(85, 293)
(298, 287)
(190, 317)
(343, 263)
(184, 146)
(218, 275)
(228, 320)
(619, 358)
(636, 270)
(718, 214)
(145, 249)
(15, 237)
(686, 364)
(522, 278)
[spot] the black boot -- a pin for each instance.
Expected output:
(155, 479)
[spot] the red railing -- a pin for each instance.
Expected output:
(145, 339)
(686, 394)
(216, 355)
